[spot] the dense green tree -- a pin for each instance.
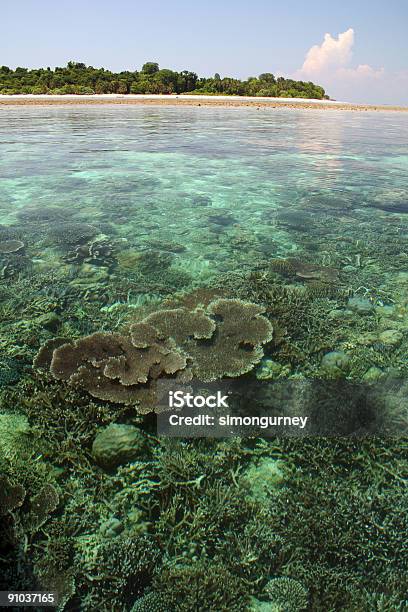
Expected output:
(78, 78)
(267, 77)
(150, 68)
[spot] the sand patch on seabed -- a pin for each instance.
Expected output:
(173, 100)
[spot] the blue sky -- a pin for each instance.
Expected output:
(232, 37)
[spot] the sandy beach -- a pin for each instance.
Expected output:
(191, 100)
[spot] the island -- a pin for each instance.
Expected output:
(78, 78)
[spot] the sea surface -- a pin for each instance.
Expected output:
(201, 177)
(264, 249)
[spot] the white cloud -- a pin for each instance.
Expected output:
(362, 70)
(330, 64)
(332, 53)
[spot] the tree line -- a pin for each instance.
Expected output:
(77, 78)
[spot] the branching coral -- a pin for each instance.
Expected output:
(152, 602)
(223, 340)
(11, 495)
(350, 494)
(117, 570)
(41, 505)
(287, 594)
(202, 585)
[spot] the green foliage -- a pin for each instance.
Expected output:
(150, 68)
(77, 78)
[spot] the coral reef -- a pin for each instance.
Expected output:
(44, 215)
(337, 491)
(11, 371)
(117, 444)
(203, 258)
(116, 570)
(11, 496)
(234, 330)
(152, 602)
(99, 252)
(71, 234)
(11, 246)
(224, 340)
(304, 270)
(287, 594)
(114, 367)
(40, 506)
(201, 585)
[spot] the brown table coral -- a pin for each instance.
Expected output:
(224, 340)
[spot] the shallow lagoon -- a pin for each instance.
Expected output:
(109, 215)
(118, 205)
(159, 173)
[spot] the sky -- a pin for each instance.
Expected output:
(356, 49)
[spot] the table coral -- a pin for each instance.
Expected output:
(11, 246)
(225, 339)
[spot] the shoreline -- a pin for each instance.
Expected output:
(190, 100)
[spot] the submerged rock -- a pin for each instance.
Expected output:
(117, 444)
(391, 337)
(295, 219)
(391, 200)
(263, 478)
(360, 305)
(372, 374)
(335, 362)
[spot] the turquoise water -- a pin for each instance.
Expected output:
(199, 192)
(206, 178)
(213, 181)
(265, 250)
(116, 209)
